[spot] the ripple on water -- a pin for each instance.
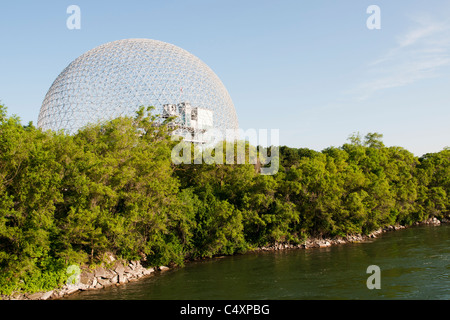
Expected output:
(413, 263)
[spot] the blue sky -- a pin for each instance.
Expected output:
(309, 68)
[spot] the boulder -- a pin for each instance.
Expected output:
(127, 269)
(114, 279)
(134, 264)
(94, 283)
(119, 269)
(35, 296)
(98, 285)
(47, 295)
(435, 221)
(432, 221)
(104, 282)
(71, 288)
(103, 273)
(324, 244)
(87, 278)
(146, 271)
(57, 294)
(100, 273)
(122, 278)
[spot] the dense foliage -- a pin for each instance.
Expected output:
(113, 188)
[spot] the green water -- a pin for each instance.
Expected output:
(414, 264)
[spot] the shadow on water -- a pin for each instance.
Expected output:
(414, 264)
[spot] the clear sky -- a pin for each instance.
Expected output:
(311, 69)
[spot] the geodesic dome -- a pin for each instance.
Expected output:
(116, 78)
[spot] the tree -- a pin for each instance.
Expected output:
(373, 140)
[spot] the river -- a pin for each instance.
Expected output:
(414, 263)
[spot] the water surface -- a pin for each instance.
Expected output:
(414, 264)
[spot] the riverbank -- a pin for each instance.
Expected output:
(327, 242)
(121, 272)
(118, 273)
(413, 265)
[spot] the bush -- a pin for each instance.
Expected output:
(112, 187)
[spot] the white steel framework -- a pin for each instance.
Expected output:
(116, 78)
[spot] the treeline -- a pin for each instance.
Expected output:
(113, 188)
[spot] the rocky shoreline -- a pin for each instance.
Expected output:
(121, 272)
(328, 242)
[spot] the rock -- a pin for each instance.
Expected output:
(83, 287)
(435, 221)
(104, 282)
(432, 221)
(47, 295)
(103, 273)
(127, 269)
(35, 296)
(98, 286)
(146, 272)
(122, 278)
(138, 271)
(308, 244)
(120, 269)
(87, 278)
(57, 294)
(71, 288)
(114, 279)
(14, 296)
(163, 268)
(375, 233)
(324, 244)
(354, 238)
(134, 264)
(100, 272)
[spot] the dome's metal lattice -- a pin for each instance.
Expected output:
(116, 78)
